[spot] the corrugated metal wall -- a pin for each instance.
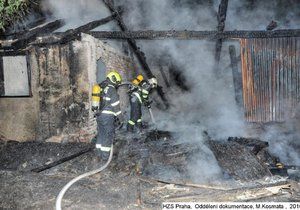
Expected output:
(271, 78)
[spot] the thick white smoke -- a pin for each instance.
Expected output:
(78, 12)
(243, 15)
(210, 104)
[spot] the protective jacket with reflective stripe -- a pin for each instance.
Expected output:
(110, 103)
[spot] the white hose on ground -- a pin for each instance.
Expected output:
(89, 173)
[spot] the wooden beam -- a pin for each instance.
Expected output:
(60, 161)
(193, 35)
(73, 34)
(237, 76)
(138, 53)
(239, 194)
(12, 52)
(30, 26)
(221, 26)
(32, 34)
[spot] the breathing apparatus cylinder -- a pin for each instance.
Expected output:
(138, 80)
(96, 95)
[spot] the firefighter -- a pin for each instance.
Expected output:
(139, 94)
(107, 113)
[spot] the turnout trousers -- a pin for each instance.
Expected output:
(106, 134)
(135, 114)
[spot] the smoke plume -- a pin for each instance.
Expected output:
(209, 103)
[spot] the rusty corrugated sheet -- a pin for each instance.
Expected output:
(271, 78)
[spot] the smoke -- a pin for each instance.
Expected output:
(209, 104)
(78, 12)
(256, 15)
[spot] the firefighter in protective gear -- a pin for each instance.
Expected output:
(139, 94)
(107, 113)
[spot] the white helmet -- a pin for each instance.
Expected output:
(153, 82)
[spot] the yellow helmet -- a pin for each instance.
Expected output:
(138, 79)
(114, 77)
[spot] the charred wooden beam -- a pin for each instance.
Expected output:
(138, 53)
(237, 76)
(193, 35)
(238, 161)
(30, 26)
(60, 161)
(178, 35)
(32, 34)
(73, 34)
(221, 26)
(12, 52)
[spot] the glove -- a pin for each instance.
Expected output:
(148, 104)
(94, 108)
(119, 122)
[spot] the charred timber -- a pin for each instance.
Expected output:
(221, 26)
(193, 35)
(138, 53)
(237, 76)
(32, 34)
(73, 34)
(30, 26)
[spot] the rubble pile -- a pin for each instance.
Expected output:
(146, 169)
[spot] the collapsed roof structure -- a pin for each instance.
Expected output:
(62, 66)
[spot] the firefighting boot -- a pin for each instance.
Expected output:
(139, 127)
(130, 128)
(104, 157)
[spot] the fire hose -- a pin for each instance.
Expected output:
(151, 116)
(89, 173)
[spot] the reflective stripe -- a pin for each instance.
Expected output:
(116, 103)
(108, 112)
(139, 120)
(102, 148)
(95, 104)
(138, 96)
(145, 91)
(111, 112)
(106, 89)
(131, 122)
(105, 149)
(106, 98)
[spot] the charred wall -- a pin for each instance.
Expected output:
(62, 79)
(63, 102)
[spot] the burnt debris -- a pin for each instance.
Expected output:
(147, 166)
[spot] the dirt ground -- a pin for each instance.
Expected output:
(123, 185)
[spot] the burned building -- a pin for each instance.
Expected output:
(226, 108)
(51, 95)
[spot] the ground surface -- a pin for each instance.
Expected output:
(130, 181)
